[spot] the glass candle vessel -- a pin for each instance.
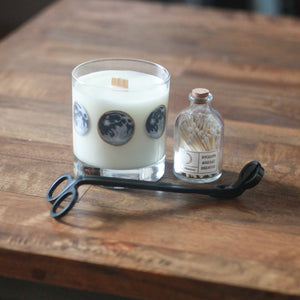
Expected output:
(119, 118)
(198, 140)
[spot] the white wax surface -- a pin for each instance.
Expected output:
(143, 96)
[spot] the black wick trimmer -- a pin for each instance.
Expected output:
(250, 176)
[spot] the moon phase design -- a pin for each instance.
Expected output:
(81, 119)
(188, 159)
(155, 123)
(116, 128)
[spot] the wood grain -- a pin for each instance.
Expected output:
(154, 245)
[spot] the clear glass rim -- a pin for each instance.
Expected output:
(115, 59)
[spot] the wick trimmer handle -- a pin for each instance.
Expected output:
(249, 177)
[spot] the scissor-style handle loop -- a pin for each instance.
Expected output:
(64, 195)
(249, 177)
(66, 177)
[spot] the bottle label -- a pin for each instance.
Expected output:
(198, 163)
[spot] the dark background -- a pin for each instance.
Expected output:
(14, 12)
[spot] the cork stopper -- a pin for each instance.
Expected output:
(200, 92)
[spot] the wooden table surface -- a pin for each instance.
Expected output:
(141, 244)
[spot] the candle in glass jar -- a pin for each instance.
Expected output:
(119, 127)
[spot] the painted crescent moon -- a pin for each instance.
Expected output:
(188, 158)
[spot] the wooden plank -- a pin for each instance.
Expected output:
(122, 282)
(140, 252)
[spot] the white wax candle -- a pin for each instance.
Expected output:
(94, 98)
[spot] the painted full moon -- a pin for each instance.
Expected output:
(116, 128)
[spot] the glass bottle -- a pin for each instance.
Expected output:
(198, 140)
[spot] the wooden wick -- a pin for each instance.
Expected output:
(119, 82)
